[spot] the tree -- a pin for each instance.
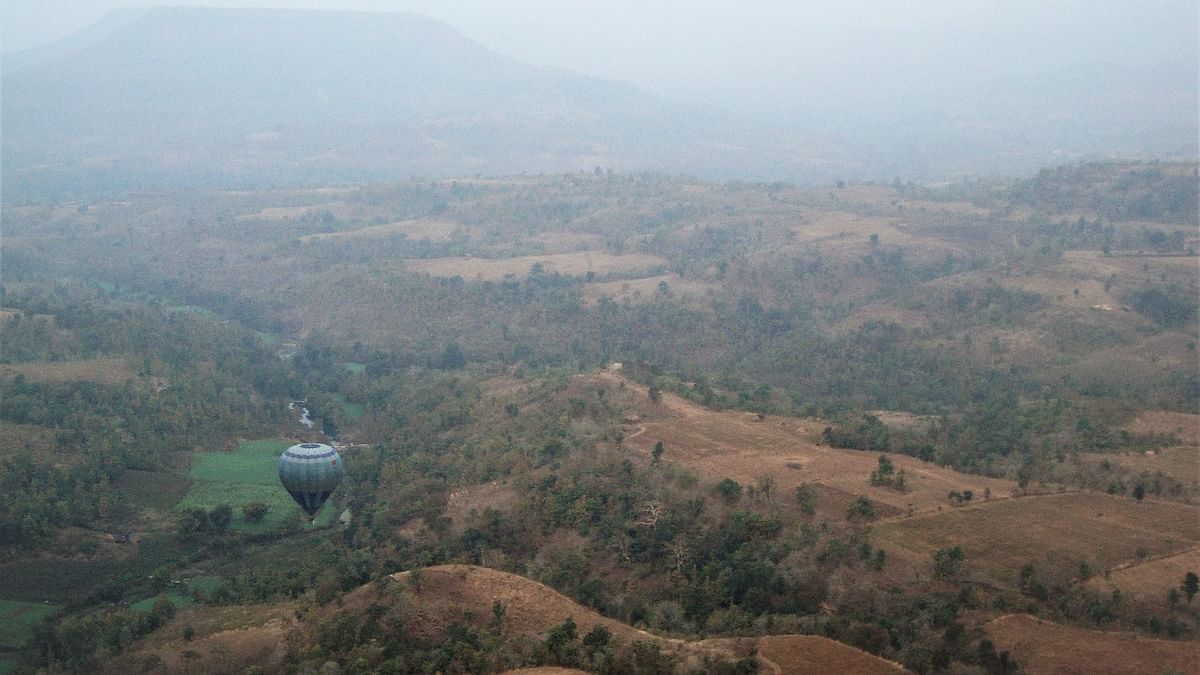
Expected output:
(452, 357)
(1139, 492)
(254, 511)
(499, 609)
(220, 517)
(560, 641)
(729, 489)
(886, 468)
(191, 523)
(597, 638)
(657, 452)
(1191, 585)
(655, 393)
(806, 496)
(949, 562)
(861, 508)
(765, 486)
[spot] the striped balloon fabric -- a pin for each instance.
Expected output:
(310, 472)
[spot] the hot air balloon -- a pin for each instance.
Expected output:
(310, 472)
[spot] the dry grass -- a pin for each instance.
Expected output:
(815, 654)
(1045, 647)
(277, 213)
(449, 593)
(569, 242)
(648, 290)
(1151, 581)
(573, 264)
(454, 592)
(898, 419)
(431, 229)
(545, 670)
(230, 639)
(100, 371)
(740, 446)
(1183, 425)
(1181, 463)
(1001, 536)
(845, 230)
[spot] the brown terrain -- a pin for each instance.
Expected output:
(815, 654)
(448, 592)
(228, 639)
(1152, 580)
(1045, 647)
(1001, 536)
(745, 447)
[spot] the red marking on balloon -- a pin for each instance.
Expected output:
(333, 462)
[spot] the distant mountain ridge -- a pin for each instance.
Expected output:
(216, 97)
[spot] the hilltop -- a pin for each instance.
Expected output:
(229, 97)
(455, 604)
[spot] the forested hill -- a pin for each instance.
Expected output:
(212, 97)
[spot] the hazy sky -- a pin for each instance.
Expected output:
(761, 51)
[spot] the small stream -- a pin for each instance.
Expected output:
(304, 418)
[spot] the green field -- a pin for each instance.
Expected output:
(17, 620)
(7, 666)
(352, 411)
(246, 475)
(177, 599)
(184, 597)
(356, 368)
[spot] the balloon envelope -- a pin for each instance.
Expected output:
(310, 472)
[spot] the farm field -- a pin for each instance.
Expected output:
(815, 654)
(1061, 530)
(1183, 425)
(1181, 463)
(246, 475)
(430, 229)
(278, 213)
(18, 618)
(570, 264)
(352, 411)
(648, 289)
(1151, 581)
(740, 446)
(1045, 647)
(111, 371)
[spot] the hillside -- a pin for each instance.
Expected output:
(272, 97)
(737, 426)
(445, 599)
